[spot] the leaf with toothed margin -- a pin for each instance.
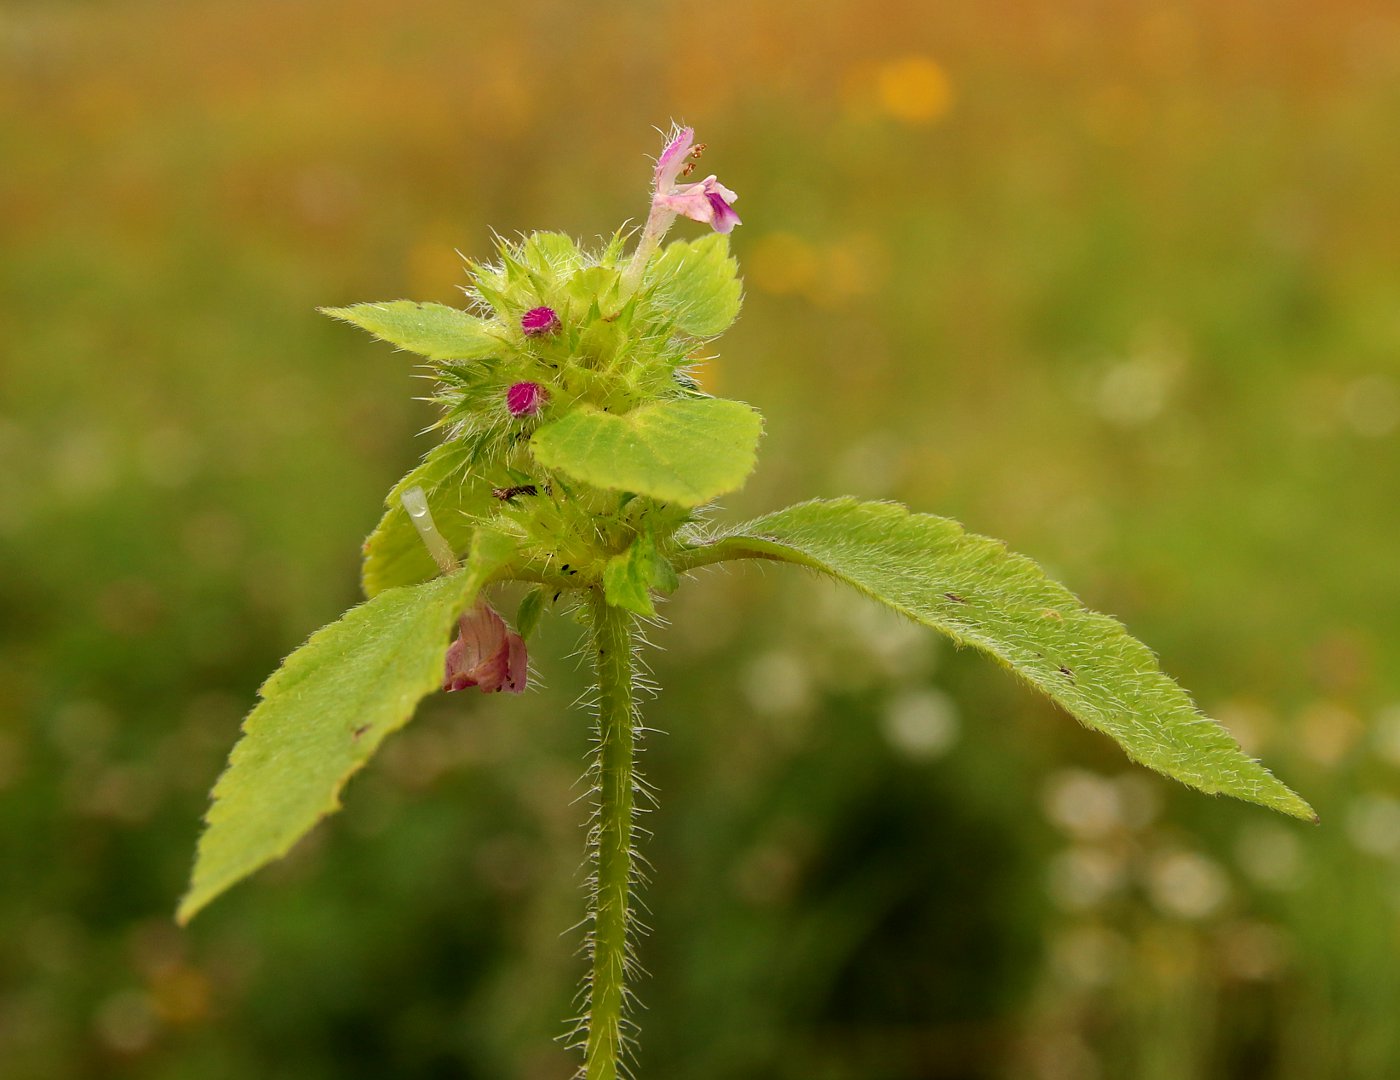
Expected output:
(977, 593)
(527, 616)
(393, 553)
(323, 714)
(685, 452)
(629, 577)
(698, 280)
(436, 331)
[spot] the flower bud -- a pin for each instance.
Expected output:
(526, 398)
(539, 321)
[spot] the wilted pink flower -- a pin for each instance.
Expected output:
(526, 398)
(486, 654)
(538, 321)
(708, 201)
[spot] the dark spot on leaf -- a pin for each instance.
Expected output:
(955, 598)
(1067, 673)
(360, 731)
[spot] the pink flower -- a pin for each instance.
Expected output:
(486, 654)
(708, 201)
(526, 398)
(540, 320)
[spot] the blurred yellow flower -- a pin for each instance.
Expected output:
(914, 89)
(782, 263)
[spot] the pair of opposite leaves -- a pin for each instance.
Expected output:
(333, 701)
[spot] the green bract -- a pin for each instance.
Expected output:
(576, 453)
(684, 452)
(432, 330)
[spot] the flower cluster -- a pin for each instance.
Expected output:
(486, 653)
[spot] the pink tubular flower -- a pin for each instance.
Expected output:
(486, 654)
(538, 321)
(526, 398)
(708, 201)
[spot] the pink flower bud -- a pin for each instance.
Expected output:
(538, 321)
(526, 398)
(486, 654)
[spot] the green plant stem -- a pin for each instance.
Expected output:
(611, 837)
(658, 224)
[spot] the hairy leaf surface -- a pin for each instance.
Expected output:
(436, 331)
(700, 280)
(629, 577)
(393, 553)
(975, 591)
(686, 452)
(323, 714)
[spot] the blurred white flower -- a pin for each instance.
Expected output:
(1088, 956)
(1253, 950)
(778, 683)
(1373, 824)
(1139, 798)
(1083, 877)
(1186, 884)
(1082, 803)
(1270, 855)
(921, 723)
(1385, 734)
(1371, 406)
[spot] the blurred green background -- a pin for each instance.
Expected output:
(1118, 282)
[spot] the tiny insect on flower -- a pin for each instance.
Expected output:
(539, 321)
(526, 398)
(486, 654)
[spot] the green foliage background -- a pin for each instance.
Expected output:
(1116, 284)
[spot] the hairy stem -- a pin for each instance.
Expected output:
(611, 838)
(658, 223)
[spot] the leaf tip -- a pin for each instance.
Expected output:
(1295, 806)
(191, 904)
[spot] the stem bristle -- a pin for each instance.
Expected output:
(615, 870)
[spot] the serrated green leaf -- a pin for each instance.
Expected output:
(596, 285)
(436, 331)
(628, 577)
(972, 589)
(699, 281)
(323, 714)
(551, 253)
(685, 452)
(527, 616)
(664, 578)
(393, 554)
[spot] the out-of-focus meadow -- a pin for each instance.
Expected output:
(1117, 282)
